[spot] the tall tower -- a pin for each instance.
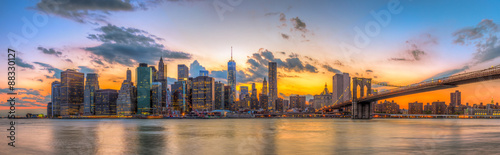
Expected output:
(72, 90)
(231, 77)
(182, 72)
(264, 86)
(144, 83)
(91, 86)
(129, 75)
(161, 69)
(273, 85)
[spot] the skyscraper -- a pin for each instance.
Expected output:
(231, 77)
(91, 85)
(228, 105)
(243, 92)
(156, 97)
(49, 109)
(153, 73)
(106, 102)
(56, 98)
(254, 101)
(341, 88)
(456, 98)
(126, 103)
(144, 83)
(264, 87)
(182, 72)
(161, 69)
(273, 85)
(72, 90)
(203, 93)
(129, 75)
(219, 95)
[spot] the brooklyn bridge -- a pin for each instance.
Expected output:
(361, 107)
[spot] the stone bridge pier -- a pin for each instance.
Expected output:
(361, 110)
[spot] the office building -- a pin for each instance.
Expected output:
(203, 93)
(144, 82)
(72, 92)
(182, 72)
(415, 108)
(231, 77)
(91, 85)
(219, 95)
(273, 85)
(298, 102)
(56, 98)
(105, 102)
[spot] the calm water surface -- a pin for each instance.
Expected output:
(254, 136)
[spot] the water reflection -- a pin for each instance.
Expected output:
(256, 136)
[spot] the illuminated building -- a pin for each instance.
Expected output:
(264, 87)
(72, 90)
(144, 83)
(161, 77)
(126, 103)
(156, 98)
(415, 108)
(231, 78)
(298, 102)
(105, 102)
(243, 92)
(182, 72)
(203, 93)
(91, 85)
(387, 107)
(162, 70)
(438, 107)
(181, 95)
(219, 95)
(263, 101)
(273, 85)
(323, 99)
(455, 101)
(56, 98)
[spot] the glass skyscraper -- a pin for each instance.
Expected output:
(72, 90)
(126, 103)
(144, 83)
(105, 101)
(182, 72)
(56, 98)
(91, 85)
(231, 77)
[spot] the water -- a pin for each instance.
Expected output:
(254, 136)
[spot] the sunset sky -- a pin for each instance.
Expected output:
(310, 40)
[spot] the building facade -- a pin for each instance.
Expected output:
(273, 85)
(203, 93)
(144, 83)
(72, 92)
(91, 85)
(106, 102)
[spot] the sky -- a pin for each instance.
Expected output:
(396, 42)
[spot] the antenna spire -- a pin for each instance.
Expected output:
(231, 52)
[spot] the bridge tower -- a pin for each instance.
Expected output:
(361, 110)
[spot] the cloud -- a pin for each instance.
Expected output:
(22, 64)
(284, 36)
(89, 11)
(39, 80)
(86, 70)
(128, 46)
(195, 68)
(50, 51)
(68, 60)
(311, 68)
(50, 69)
(415, 48)
(369, 71)
(331, 69)
(298, 24)
(484, 36)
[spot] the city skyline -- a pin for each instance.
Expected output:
(299, 41)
